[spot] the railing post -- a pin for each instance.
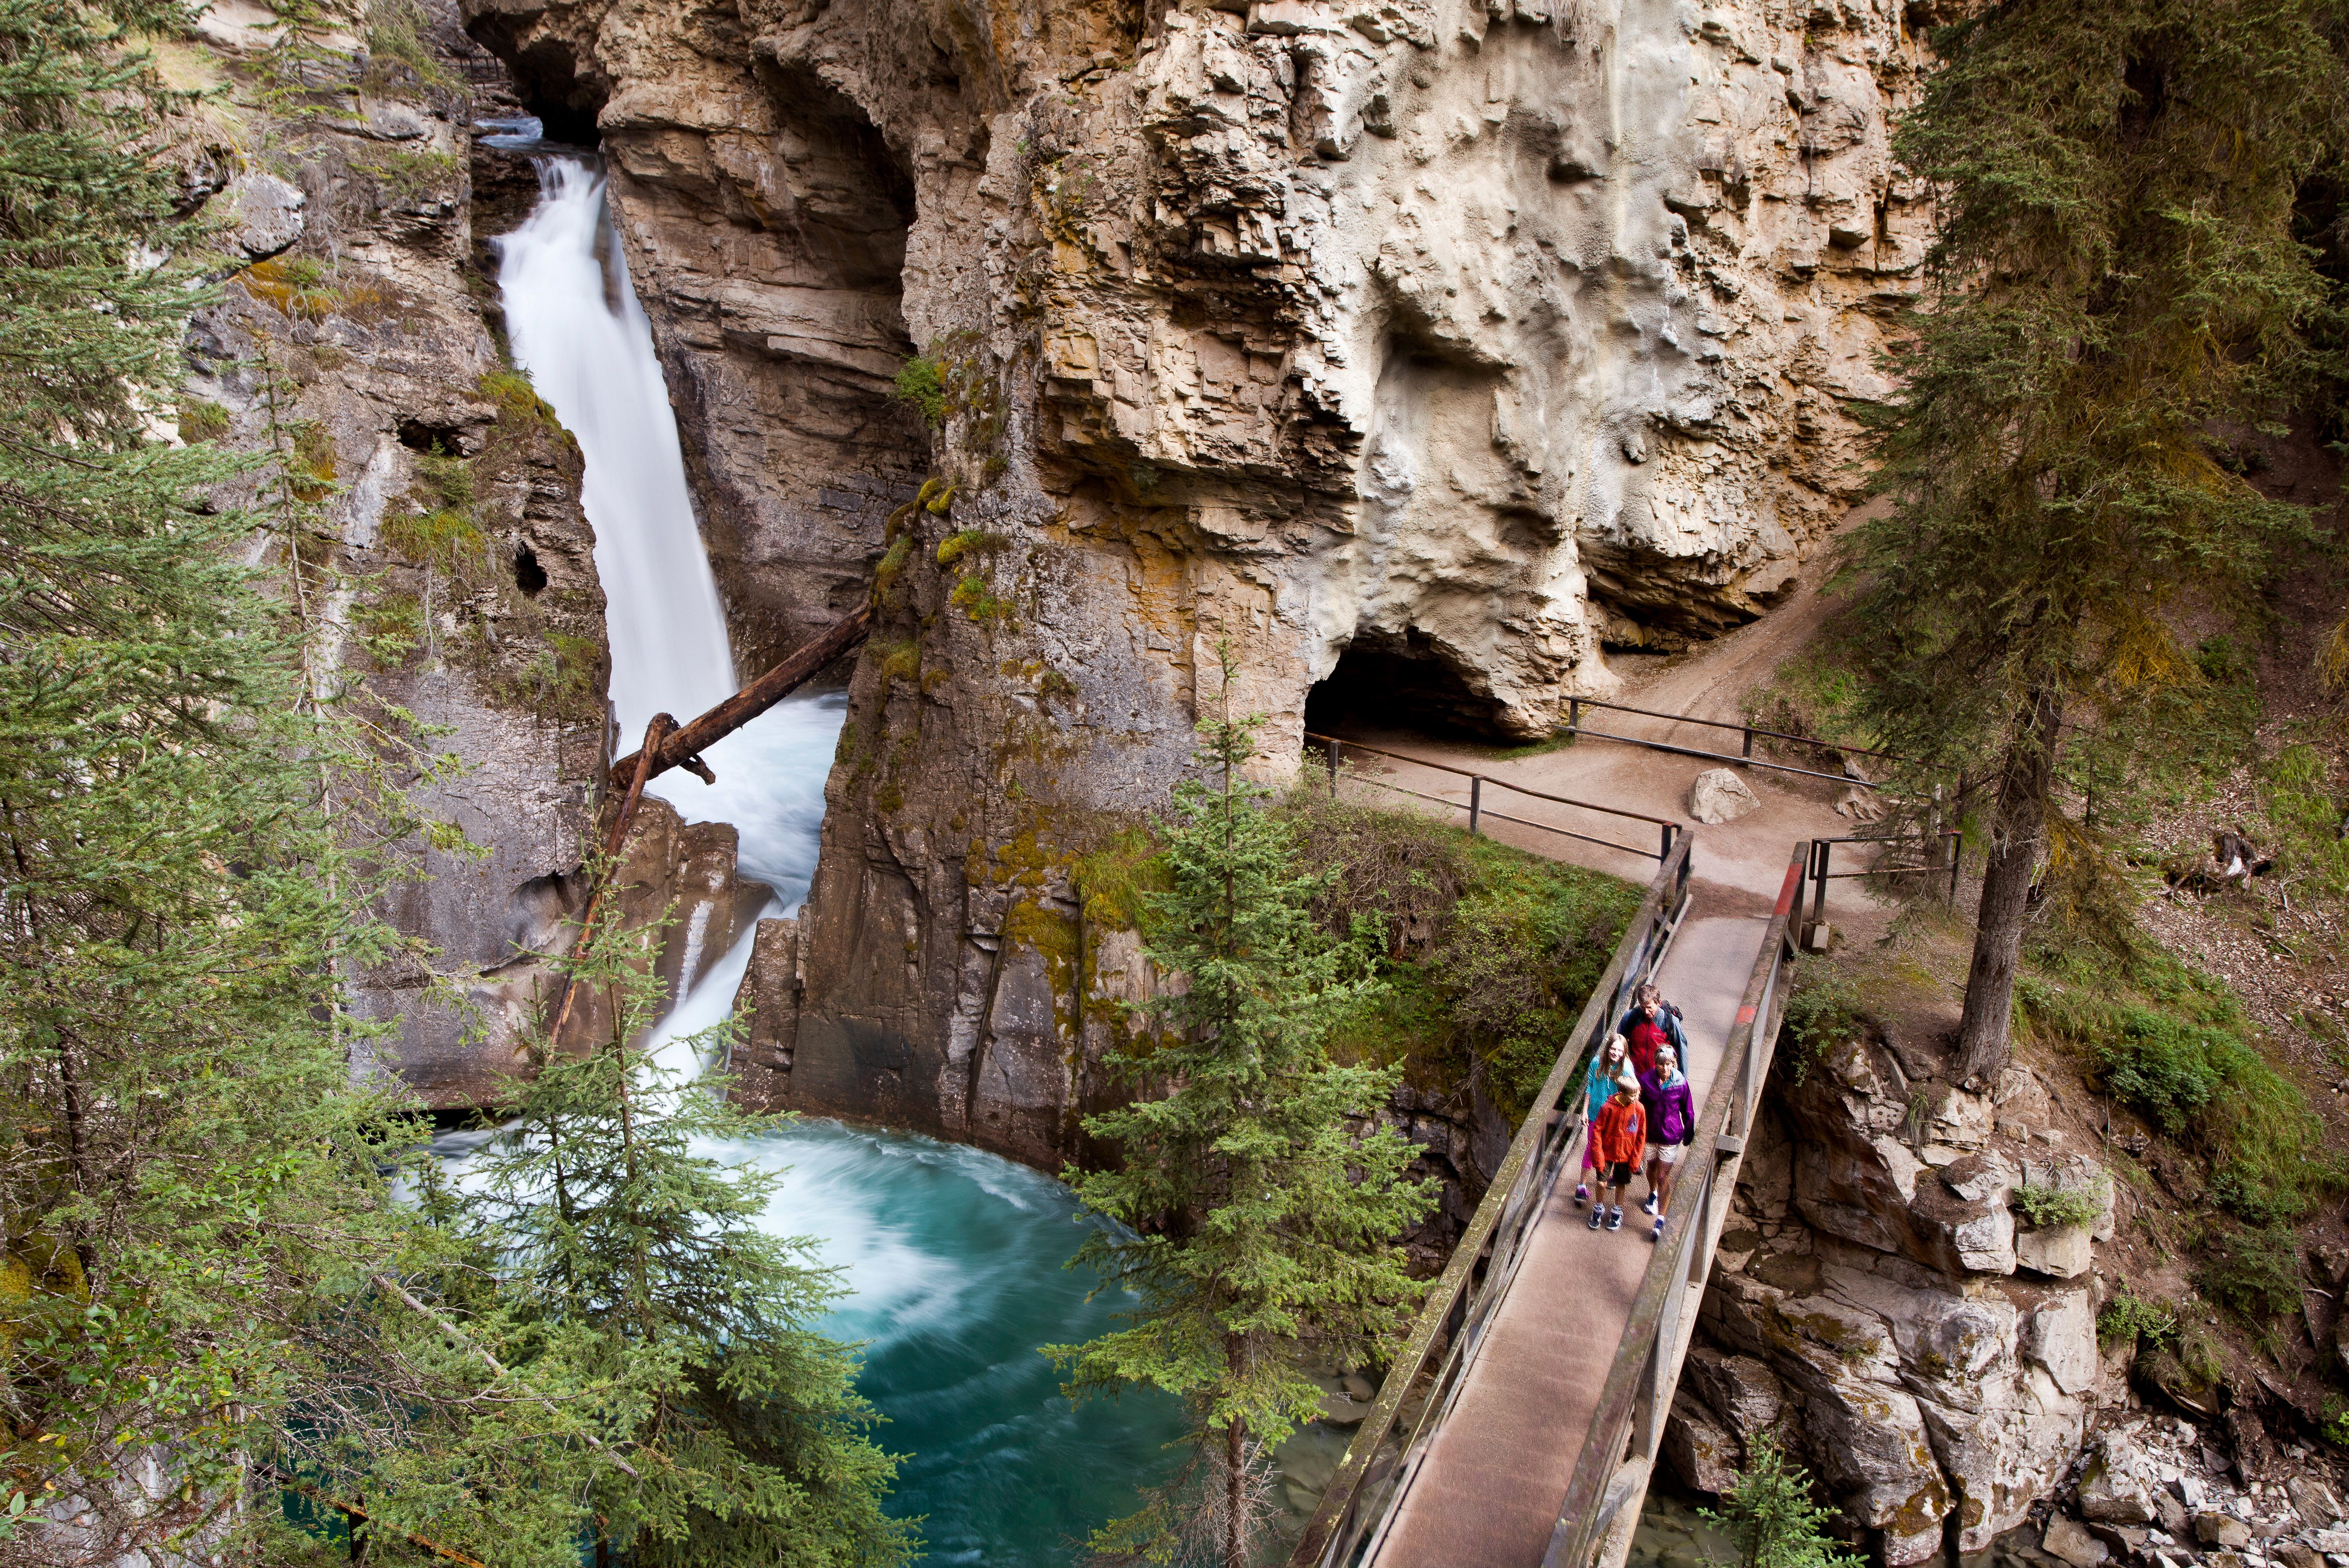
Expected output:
(1333, 768)
(1820, 903)
(1476, 800)
(1573, 714)
(1749, 743)
(1667, 841)
(1957, 858)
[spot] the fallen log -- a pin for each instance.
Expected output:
(682, 746)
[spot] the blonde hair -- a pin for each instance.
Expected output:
(1629, 1084)
(1614, 1043)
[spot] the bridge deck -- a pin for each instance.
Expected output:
(1489, 1493)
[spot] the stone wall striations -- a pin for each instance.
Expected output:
(1422, 349)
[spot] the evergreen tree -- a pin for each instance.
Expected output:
(1264, 1196)
(188, 1178)
(1770, 1513)
(620, 1273)
(2117, 293)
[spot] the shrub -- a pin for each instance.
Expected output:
(975, 599)
(201, 420)
(1769, 1512)
(2304, 817)
(1822, 1010)
(2253, 1273)
(922, 382)
(962, 541)
(2046, 1207)
(2129, 1318)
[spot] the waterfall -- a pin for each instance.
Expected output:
(576, 326)
(954, 1257)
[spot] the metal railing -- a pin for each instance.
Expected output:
(1477, 810)
(1628, 1428)
(1745, 758)
(1460, 1305)
(1941, 842)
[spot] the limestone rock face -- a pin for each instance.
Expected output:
(1872, 1269)
(446, 568)
(1453, 341)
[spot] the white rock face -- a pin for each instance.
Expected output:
(1719, 795)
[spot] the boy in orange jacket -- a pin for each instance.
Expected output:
(1620, 1137)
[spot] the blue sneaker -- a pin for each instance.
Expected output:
(1648, 1205)
(1658, 1233)
(1582, 1194)
(1597, 1215)
(1615, 1219)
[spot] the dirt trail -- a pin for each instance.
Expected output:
(1747, 857)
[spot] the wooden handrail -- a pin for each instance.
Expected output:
(1736, 1087)
(1337, 1524)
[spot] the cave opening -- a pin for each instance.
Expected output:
(1384, 682)
(529, 576)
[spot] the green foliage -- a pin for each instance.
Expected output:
(2305, 812)
(2335, 1426)
(963, 540)
(2130, 1319)
(976, 598)
(2252, 1272)
(1823, 1010)
(2173, 1044)
(518, 400)
(2049, 1207)
(921, 381)
(1771, 1515)
(2118, 282)
(1263, 1193)
(623, 1276)
(1811, 694)
(397, 56)
(1490, 953)
(190, 1172)
(201, 420)
(406, 173)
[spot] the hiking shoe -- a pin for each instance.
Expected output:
(1648, 1205)
(1615, 1219)
(1582, 1194)
(1597, 1215)
(1658, 1233)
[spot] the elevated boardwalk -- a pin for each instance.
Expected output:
(1491, 1482)
(1520, 1421)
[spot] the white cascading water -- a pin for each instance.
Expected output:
(576, 326)
(954, 1256)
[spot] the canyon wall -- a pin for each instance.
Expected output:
(1422, 349)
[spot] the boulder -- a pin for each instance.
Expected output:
(1743, 1393)
(2312, 1500)
(2059, 1332)
(2117, 1487)
(1702, 1452)
(2059, 1252)
(2212, 1528)
(1720, 795)
(264, 214)
(2296, 1554)
(2066, 1538)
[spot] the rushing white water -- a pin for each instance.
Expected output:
(576, 326)
(953, 1257)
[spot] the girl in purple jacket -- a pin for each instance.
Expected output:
(1672, 1127)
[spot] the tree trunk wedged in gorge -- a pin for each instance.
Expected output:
(2018, 830)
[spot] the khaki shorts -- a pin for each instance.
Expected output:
(1669, 1153)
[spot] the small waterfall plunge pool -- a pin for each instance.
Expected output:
(954, 1258)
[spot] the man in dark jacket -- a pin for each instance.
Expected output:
(1652, 1022)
